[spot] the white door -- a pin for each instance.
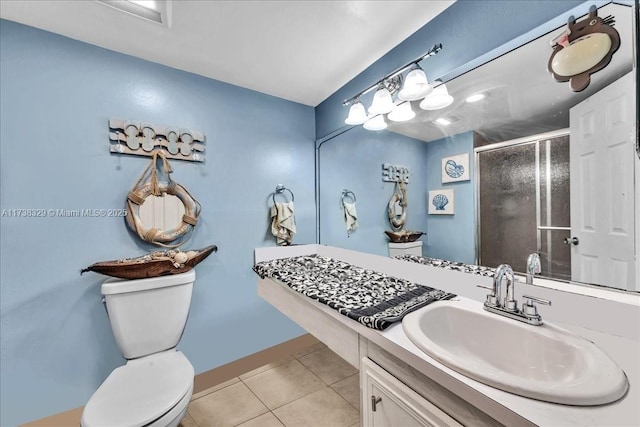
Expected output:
(602, 186)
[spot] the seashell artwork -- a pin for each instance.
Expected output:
(441, 202)
(455, 168)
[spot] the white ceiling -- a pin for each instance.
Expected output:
(302, 51)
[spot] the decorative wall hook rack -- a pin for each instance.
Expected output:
(395, 173)
(141, 139)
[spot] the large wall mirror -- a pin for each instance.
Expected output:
(553, 171)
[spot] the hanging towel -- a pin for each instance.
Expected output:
(350, 216)
(283, 223)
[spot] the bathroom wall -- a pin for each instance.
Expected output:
(354, 161)
(451, 237)
(57, 97)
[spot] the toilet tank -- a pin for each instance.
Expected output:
(148, 315)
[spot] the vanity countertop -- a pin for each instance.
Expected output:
(505, 407)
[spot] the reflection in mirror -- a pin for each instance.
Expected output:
(540, 177)
(162, 213)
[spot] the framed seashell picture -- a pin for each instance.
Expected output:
(441, 202)
(455, 168)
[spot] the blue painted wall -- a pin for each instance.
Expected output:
(354, 161)
(451, 237)
(57, 97)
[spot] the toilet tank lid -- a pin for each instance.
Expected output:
(119, 286)
(141, 391)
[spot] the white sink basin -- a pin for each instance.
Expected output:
(541, 362)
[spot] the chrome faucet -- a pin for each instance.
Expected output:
(533, 267)
(509, 306)
(504, 271)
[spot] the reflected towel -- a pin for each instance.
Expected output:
(283, 223)
(350, 216)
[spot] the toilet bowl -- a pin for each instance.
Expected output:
(154, 387)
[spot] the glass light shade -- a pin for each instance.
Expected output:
(438, 99)
(416, 86)
(402, 113)
(581, 55)
(375, 123)
(382, 102)
(357, 114)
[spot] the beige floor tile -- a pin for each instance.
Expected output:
(229, 406)
(349, 389)
(266, 420)
(215, 388)
(265, 368)
(309, 349)
(324, 408)
(356, 424)
(327, 365)
(283, 384)
(187, 421)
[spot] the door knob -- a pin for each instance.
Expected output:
(571, 241)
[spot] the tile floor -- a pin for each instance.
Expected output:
(314, 387)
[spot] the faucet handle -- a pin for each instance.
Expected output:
(492, 298)
(529, 308)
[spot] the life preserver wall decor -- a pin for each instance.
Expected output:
(149, 184)
(583, 49)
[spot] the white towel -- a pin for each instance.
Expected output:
(350, 216)
(283, 223)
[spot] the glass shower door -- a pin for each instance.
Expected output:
(523, 205)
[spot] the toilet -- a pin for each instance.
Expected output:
(154, 387)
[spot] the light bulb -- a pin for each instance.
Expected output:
(357, 114)
(375, 123)
(402, 113)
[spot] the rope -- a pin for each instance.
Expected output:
(137, 196)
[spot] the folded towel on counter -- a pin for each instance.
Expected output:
(374, 299)
(350, 216)
(283, 223)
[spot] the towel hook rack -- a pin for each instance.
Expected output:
(348, 193)
(279, 190)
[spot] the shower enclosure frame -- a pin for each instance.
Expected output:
(540, 228)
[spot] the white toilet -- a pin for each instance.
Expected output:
(155, 386)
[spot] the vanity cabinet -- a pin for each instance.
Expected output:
(386, 402)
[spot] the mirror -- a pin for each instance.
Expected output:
(532, 130)
(163, 213)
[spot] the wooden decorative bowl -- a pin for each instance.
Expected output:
(403, 236)
(146, 266)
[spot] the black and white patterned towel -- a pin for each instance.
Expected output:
(449, 265)
(374, 299)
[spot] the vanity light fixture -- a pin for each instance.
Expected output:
(151, 10)
(475, 97)
(402, 113)
(357, 114)
(417, 87)
(375, 123)
(438, 99)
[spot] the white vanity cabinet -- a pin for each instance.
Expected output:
(386, 402)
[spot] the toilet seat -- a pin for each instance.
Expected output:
(140, 392)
